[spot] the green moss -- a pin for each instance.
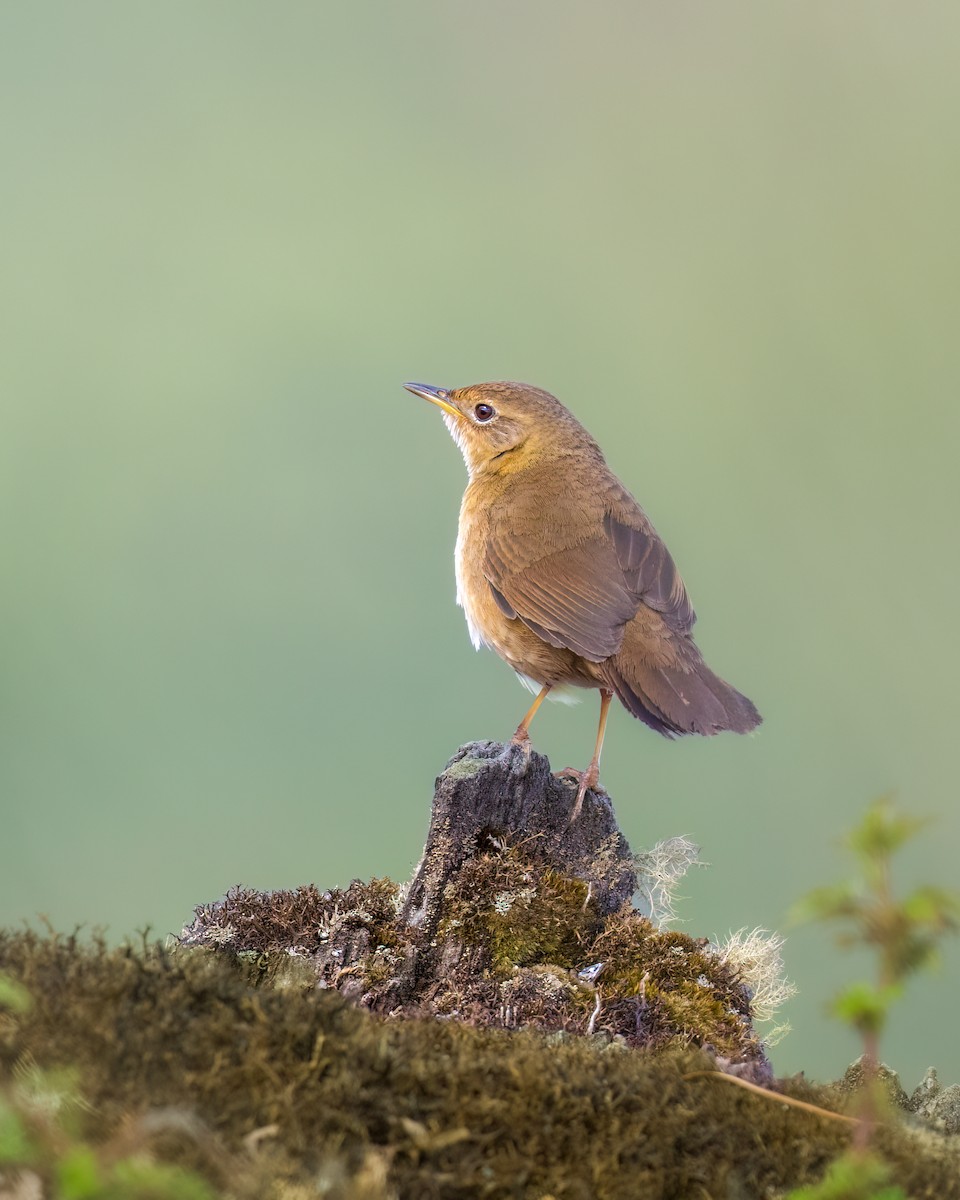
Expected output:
(517, 913)
(464, 768)
(682, 994)
(268, 1093)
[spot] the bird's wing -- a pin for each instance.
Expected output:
(581, 596)
(649, 571)
(573, 598)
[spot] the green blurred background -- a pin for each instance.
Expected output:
(725, 235)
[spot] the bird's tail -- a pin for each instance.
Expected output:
(684, 696)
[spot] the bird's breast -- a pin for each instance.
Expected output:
(468, 560)
(489, 626)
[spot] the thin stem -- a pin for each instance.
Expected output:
(779, 1097)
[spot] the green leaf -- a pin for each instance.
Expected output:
(933, 907)
(14, 996)
(140, 1179)
(853, 1177)
(882, 831)
(78, 1174)
(826, 903)
(865, 1006)
(15, 1144)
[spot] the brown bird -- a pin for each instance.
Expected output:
(562, 573)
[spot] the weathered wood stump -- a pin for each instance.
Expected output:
(490, 794)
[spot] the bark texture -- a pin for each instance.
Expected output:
(490, 794)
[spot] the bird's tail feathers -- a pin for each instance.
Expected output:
(685, 698)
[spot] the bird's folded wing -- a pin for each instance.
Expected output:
(580, 597)
(648, 570)
(575, 598)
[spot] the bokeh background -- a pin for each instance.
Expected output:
(725, 235)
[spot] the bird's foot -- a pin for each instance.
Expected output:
(517, 752)
(587, 780)
(521, 739)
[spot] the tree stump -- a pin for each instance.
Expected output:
(490, 794)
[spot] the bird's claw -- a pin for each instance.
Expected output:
(521, 739)
(587, 779)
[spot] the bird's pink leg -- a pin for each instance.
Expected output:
(522, 736)
(590, 777)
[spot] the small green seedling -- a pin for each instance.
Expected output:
(853, 1177)
(905, 934)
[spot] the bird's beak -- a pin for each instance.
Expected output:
(438, 396)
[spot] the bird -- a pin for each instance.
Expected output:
(561, 572)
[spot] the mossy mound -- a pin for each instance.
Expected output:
(518, 944)
(282, 1094)
(516, 917)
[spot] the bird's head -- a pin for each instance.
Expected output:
(505, 427)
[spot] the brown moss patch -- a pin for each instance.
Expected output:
(670, 988)
(302, 920)
(517, 943)
(277, 1090)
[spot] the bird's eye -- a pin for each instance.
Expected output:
(484, 413)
